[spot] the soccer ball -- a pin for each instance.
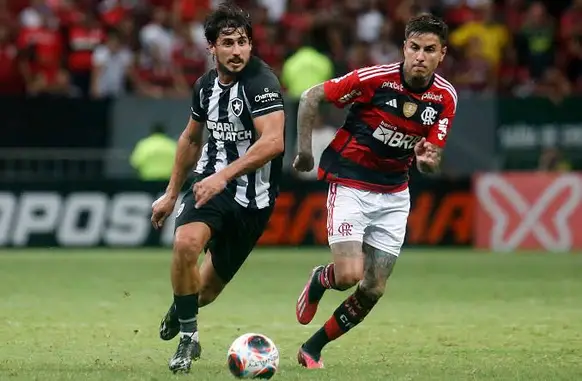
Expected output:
(253, 355)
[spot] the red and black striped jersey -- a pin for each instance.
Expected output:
(374, 148)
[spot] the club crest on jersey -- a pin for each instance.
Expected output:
(409, 108)
(236, 106)
(428, 116)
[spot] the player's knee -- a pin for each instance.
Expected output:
(348, 276)
(187, 247)
(348, 264)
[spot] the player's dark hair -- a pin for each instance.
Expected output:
(427, 23)
(226, 19)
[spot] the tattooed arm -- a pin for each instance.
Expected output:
(340, 92)
(306, 116)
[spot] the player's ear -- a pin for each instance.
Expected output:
(443, 53)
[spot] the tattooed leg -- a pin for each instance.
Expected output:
(378, 266)
(346, 270)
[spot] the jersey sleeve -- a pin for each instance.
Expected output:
(196, 110)
(263, 94)
(439, 131)
(347, 89)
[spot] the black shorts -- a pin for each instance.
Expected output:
(235, 229)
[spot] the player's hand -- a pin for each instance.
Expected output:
(421, 147)
(428, 161)
(303, 162)
(162, 208)
(209, 187)
(426, 153)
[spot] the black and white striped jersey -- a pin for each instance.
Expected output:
(228, 112)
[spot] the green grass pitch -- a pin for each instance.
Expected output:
(88, 315)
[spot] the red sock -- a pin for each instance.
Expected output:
(327, 277)
(349, 314)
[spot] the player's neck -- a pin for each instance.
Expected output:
(225, 79)
(417, 83)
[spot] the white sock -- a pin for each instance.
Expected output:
(192, 335)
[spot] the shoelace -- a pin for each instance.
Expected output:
(183, 346)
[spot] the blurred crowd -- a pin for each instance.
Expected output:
(156, 48)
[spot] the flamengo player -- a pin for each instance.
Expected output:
(398, 112)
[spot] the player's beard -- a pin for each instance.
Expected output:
(226, 71)
(417, 81)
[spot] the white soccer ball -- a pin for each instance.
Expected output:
(253, 355)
